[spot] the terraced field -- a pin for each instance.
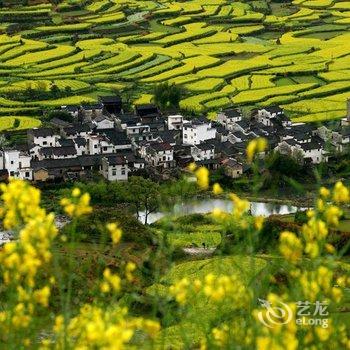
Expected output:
(243, 53)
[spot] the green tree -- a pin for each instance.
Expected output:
(143, 194)
(167, 95)
(55, 90)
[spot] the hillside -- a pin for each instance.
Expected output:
(221, 52)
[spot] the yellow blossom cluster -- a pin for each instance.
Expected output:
(216, 288)
(318, 282)
(202, 175)
(237, 330)
(254, 147)
(22, 261)
(115, 232)
(341, 193)
(219, 288)
(77, 205)
(110, 282)
(20, 203)
(217, 189)
(129, 269)
(290, 246)
(180, 290)
(240, 206)
(96, 328)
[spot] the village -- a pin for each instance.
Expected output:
(105, 140)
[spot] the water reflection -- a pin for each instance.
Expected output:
(207, 205)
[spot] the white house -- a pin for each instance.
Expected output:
(175, 122)
(42, 137)
(158, 154)
(203, 151)
(99, 144)
(114, 168)
(314, 152)
(80, 145)
(229, 116)
(103, 122)
(63, 152)
(269, 115)
(138, 128)
(310, 151)
(17, 163)
(197, 131)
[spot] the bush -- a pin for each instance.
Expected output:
(300, 217)
(92, 228)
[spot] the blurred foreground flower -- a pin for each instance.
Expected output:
(255, 146)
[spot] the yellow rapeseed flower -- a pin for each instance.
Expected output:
(115, 232)
(202, 175)
(192, 167)
(341, 193)
(290, 246)
(255, 146)
(129, 269)
(217, 189)
(42, 296)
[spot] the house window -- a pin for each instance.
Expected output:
(114, 173)
(12, 173)
(27, 174)
(44, 142)
(123, 172)
(95, 146)
(12, 162)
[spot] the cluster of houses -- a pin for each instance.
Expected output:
(103, 139)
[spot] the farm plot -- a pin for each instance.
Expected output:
(222, 53)
(18, 123)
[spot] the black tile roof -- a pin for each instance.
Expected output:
(70, 108)
(116, 160)
(41, 132)
(273, 109)
(80, 141)
(58, 151)
(66, 142)
(146, 109)
(89, 107)
(80, 161)
(232, 112)
(116, 137)
(158, 147)
(77, 129)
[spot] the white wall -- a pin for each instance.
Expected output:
(194, 135)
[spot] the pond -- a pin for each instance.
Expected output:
(208, 205)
